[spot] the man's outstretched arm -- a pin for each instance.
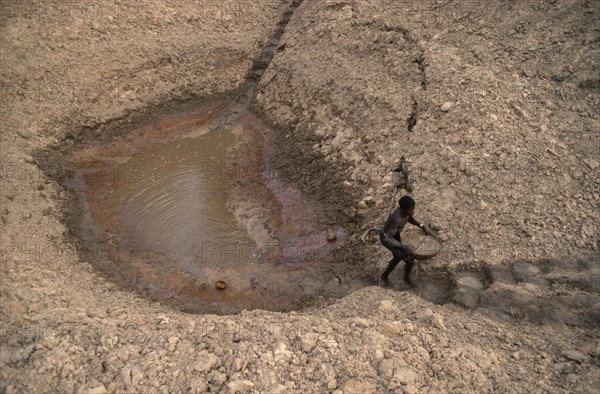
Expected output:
(414, 222)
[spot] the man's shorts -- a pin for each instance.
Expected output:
(385, 241)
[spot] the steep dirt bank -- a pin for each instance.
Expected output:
(498, 146)
(485, 110)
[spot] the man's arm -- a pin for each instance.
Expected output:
(414, 222)
(390, 234)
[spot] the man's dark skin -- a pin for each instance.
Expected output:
(390, 238)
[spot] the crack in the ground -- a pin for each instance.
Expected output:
(414, 116)
(404, 181)
(262, 61)
(259, 65)
(421, 62)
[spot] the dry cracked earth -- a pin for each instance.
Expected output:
(486, 112)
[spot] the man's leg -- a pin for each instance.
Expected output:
(392, 264)
(408, 266)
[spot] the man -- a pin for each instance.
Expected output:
(390, 238)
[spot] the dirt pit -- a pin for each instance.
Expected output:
(187, 210)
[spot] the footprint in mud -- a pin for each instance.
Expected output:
(436, 287)
(558, 291)
(565, 291)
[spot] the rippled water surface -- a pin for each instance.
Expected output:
(178, 205)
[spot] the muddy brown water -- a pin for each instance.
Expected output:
(192, 200)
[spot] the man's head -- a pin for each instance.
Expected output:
(407, 204)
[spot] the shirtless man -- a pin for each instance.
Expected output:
(390, 238)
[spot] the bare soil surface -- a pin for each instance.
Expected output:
(485, 112)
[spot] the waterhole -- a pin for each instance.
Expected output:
(189, 211)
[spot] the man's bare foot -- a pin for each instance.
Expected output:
(409, 281)
(386, 282)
